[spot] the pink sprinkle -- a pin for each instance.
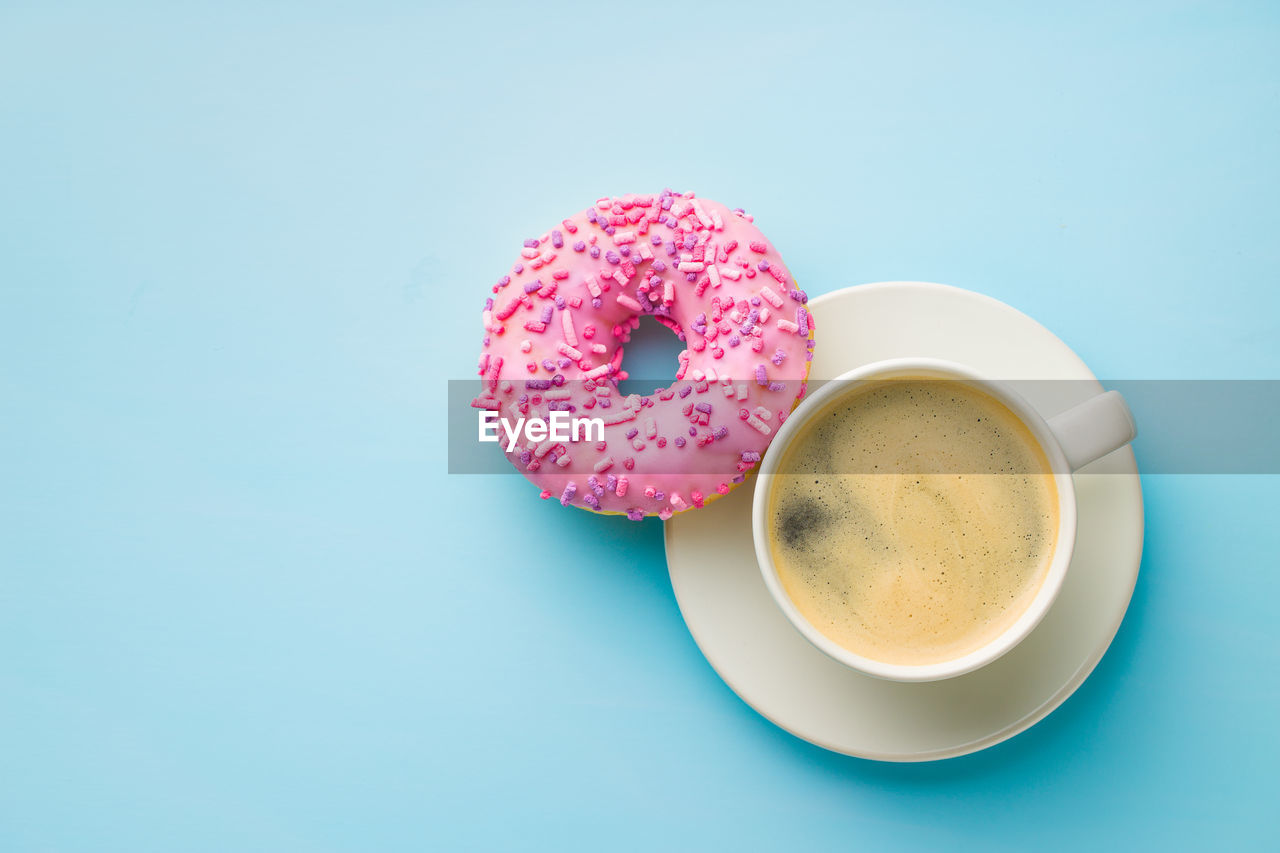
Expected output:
(678, 502)
(772, 298)
(570, 334)
(604, 465)
(758, 247)
(629, 303)
(593, 287)
(786, 325)
(623, 237)
(569, 352)
(758, 425)
(650, 428)
(691, 266)
(665, 513)
(622, 487)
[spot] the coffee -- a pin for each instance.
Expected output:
(913, 520)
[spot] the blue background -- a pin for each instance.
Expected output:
(243, 606)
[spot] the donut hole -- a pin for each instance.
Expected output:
(651, 358)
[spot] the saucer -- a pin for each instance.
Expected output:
(758, 653)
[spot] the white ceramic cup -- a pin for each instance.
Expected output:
(1070, 440)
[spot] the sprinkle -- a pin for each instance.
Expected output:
(678, 502)
(592, 501)
(650, 428)
(680, 441)
(785, 325)
(763, 414)
(569, 491)
(570, 334)
(623, 237)
(772, 298)
(665, 513)
(629, 303)
(761, 377)
(635, 514)
(690, 266)
(758, 425)
(802, 321)
(604, 465)
(622, 487)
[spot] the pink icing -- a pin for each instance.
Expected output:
(555, 327)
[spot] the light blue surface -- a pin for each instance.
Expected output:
(243, 607)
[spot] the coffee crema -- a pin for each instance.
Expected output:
(913, 520)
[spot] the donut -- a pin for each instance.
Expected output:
(554, 331)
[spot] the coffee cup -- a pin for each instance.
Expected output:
(855, 602)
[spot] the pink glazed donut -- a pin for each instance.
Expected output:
(554, 331)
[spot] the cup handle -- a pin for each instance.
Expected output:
(1094, 428)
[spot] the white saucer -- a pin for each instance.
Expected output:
(764, 659)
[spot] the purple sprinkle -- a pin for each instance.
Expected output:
(686, 391)
(595, 486)
(611, 482)
(592, 501)
(612, 257)
(802, 320)
(524, 398)
(537, 384)
(525, 456)
(666, 202)
(536, 284)
(558, 380)
(672, 251)
(591, 215)
(761, 377)
(779, 356)
(691, 277)
(734, 340)
(557, 239)
(517, 269)
(635, 514)
(659, 496)
(680, 442)
(763, 265)
(750, 456)
(799, 296)
(485, 342)
(610, 230)
(722, 432)
(579, 246)
(546, 313)
(738, 478)
(531, 243)
(658, 265)
(595, 252)
(655, 239)
(504, 281)
(596, 302)
(549, 365)
(777, 386)
(705, 408)
(604, 403)
(568, 493)
(632, 433)
(560, 302)
(693, 431)
(488, 304)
